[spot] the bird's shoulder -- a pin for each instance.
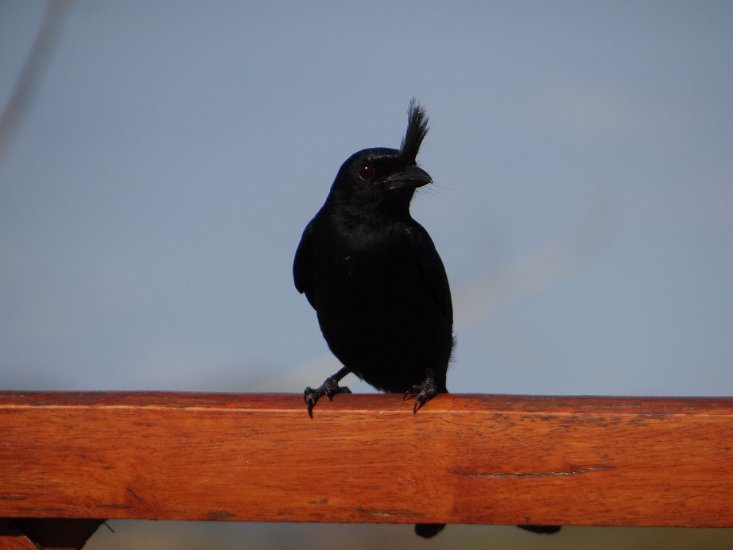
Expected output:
(301, 264)
(324, 234)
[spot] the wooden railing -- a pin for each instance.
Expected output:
(71, 460)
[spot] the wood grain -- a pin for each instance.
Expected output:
(368, 458)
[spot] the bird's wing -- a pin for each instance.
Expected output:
(302, 273)
(432, 268)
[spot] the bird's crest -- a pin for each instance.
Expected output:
(417, 128)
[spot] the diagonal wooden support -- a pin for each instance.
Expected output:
(46, 534)
(368, 458)
(12, 538)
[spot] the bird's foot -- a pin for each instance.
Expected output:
(423, 392)
(329, 388)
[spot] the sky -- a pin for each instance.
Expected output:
(169, 155)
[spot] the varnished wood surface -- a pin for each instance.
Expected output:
(368, 458)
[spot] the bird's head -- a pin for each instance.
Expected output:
(381, 176)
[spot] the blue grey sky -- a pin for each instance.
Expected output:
(156, 185)
(155, 189)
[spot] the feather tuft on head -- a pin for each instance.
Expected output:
(417, 128)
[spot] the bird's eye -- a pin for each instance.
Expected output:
(366, 171)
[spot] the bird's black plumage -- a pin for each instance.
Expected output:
(373, 275)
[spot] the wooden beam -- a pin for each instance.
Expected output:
(367, 458)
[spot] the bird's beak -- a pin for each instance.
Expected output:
(409, 178)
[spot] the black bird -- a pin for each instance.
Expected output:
(373, 276)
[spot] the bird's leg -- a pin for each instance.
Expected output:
(330, 387)
(424, 391)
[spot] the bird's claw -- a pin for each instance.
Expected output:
(329, 388)
(423, 392)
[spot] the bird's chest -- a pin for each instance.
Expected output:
(365, 268)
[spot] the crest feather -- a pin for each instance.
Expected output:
(417, 128)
